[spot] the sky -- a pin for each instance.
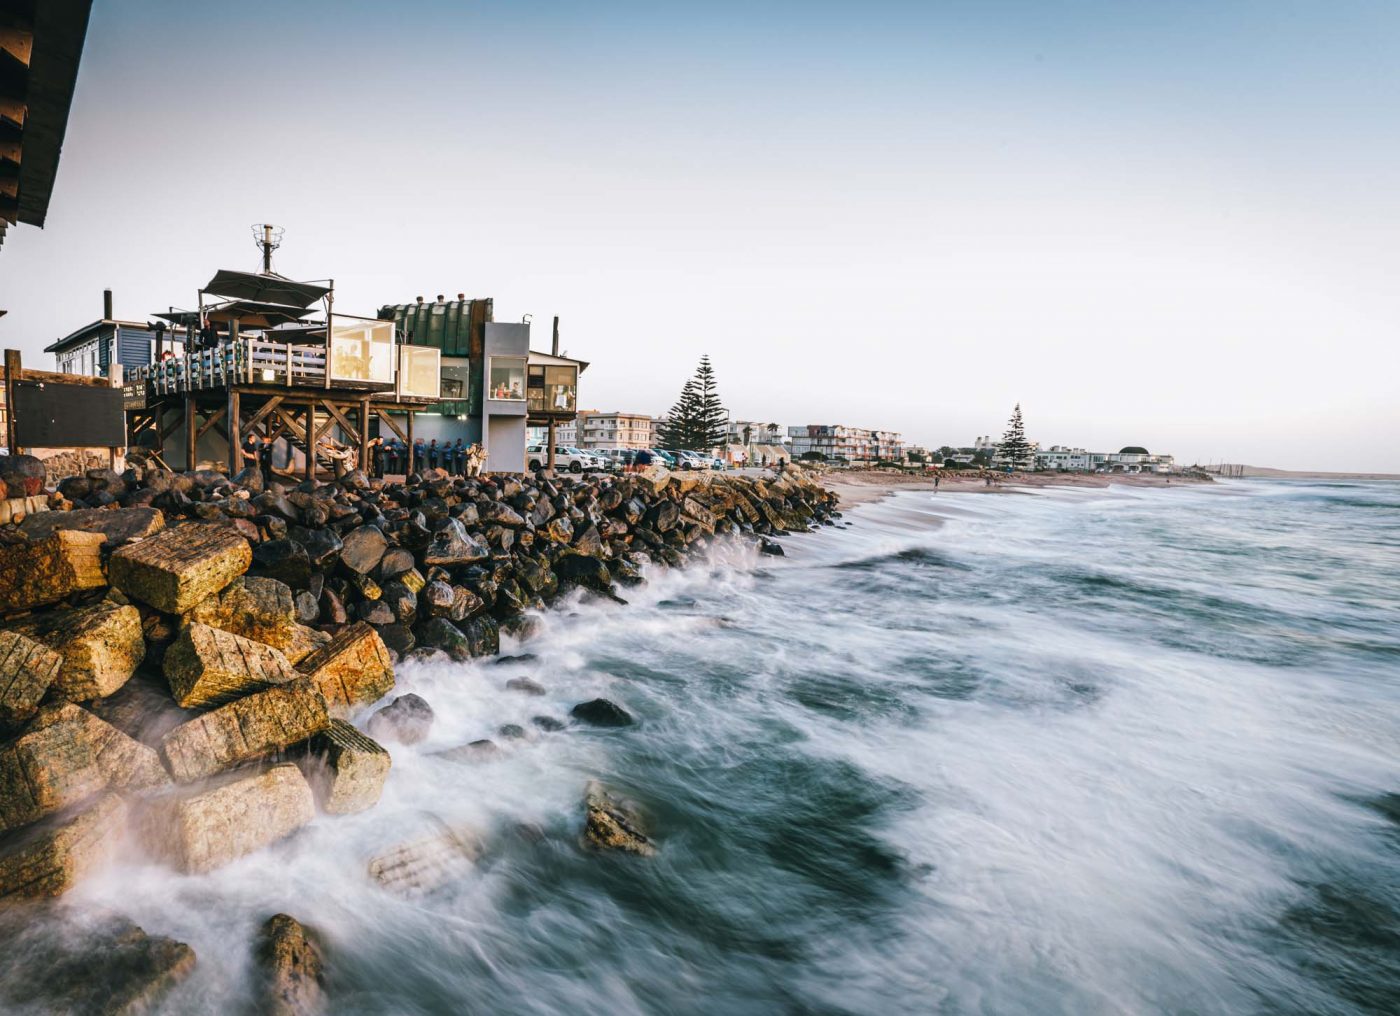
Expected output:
(1170, 225)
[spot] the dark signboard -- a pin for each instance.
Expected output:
(49, 415)
(134, 395)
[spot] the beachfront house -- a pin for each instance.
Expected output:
(93, 349)
(494, 387)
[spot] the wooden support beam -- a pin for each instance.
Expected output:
(408, 467)
(13, 110)
(384, 417)
(339, 417)
(13, 369)
(191, 435)
(235, 438)
(18, 41)
(208, 425)
(174, 425)
(364, 435)
(263, 410)
(311, 441)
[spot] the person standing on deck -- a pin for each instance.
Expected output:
(432, 454)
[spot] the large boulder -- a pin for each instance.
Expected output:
(245, 729)
(352, 669)
(601, 712)
(346, 769)
(41, 572)
(452, 545)
(66, 755)
(119, 525)
(363, 548)
(240, 813)
(27, 668)
(208, 666)
(261, 609)
(293, 979)
(50, 858)
(176, 569)
(101, 646)
(24, 475)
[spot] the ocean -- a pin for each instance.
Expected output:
(1077, 751)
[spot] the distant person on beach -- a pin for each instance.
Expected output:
(641, 460)
(935, 482)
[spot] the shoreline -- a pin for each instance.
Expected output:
(866, 486)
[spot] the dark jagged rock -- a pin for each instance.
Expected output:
(283, 560)
(548, 724)
(363, 549)
(452, 545)
(601, 712)
(526, 685)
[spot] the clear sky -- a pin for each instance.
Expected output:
(1167, 224)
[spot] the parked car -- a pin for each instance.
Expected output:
(564, 458)
(717, 463)
(591, 460)
(687, 460)
(615, 459)
(667, 459)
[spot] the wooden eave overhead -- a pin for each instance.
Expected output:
(41, 44)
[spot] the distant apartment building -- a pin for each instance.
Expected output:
(615, 430)
(1132, 459)
(747, 432)
(565, 434)
(851, 444)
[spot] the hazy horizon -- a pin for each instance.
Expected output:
(1162, 226)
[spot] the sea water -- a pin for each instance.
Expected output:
(1103, 751)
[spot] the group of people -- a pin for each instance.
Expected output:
(455, 458)
(389, 456)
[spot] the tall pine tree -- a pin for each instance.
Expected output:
(1014, 450)
(698, 419)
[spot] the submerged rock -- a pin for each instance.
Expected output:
(601, 712)
(424, 864)
(408, 720)
(50, 858)
(612, 823)
(293, 969)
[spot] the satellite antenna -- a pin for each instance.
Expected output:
(267, 238)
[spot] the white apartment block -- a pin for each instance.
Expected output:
(853, 444)
(615, 430)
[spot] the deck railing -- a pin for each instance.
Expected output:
(245, 361)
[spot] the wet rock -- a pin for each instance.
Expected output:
(548, 724)
(207, 666)
(583, 570)
(363, 549)
(36, 573)
(346, 769)
(395, 562)
(177, 568)
(93, 964)
(401, 601)
(323, 547)
(422, 865)
(353, 669)
(333, 607)
(483, 636)
(512, 732)
(284, 560)
(50, 858)
(612, 823)
(601, 712)
(397, 638)
(245, 729)
(240, 813)
(452, 545)
(482, 750)
(440, 633)
(293, 970)
(526, 686)
(427, 655)
(772, 547)
(408, 720)
(66, 755)
(119, 526)
(27, 668)
(101, 646)
(437, 598)
(499, 513)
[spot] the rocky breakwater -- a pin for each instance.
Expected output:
(180, 654)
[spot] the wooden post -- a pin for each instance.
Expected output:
(408, 466)
(311, 441)
(13, 367)
(364, 434)
(549, 452)
(191, 434)
(235, 440)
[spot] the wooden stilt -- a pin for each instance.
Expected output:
(408, 442)
(235, 425)
(311, 441)
(191, 435)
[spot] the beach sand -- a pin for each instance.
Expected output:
(865, 485)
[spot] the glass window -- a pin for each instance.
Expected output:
(362, 350)
(507, 378)
(561, 388)
(456, 377)
(418, 371)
